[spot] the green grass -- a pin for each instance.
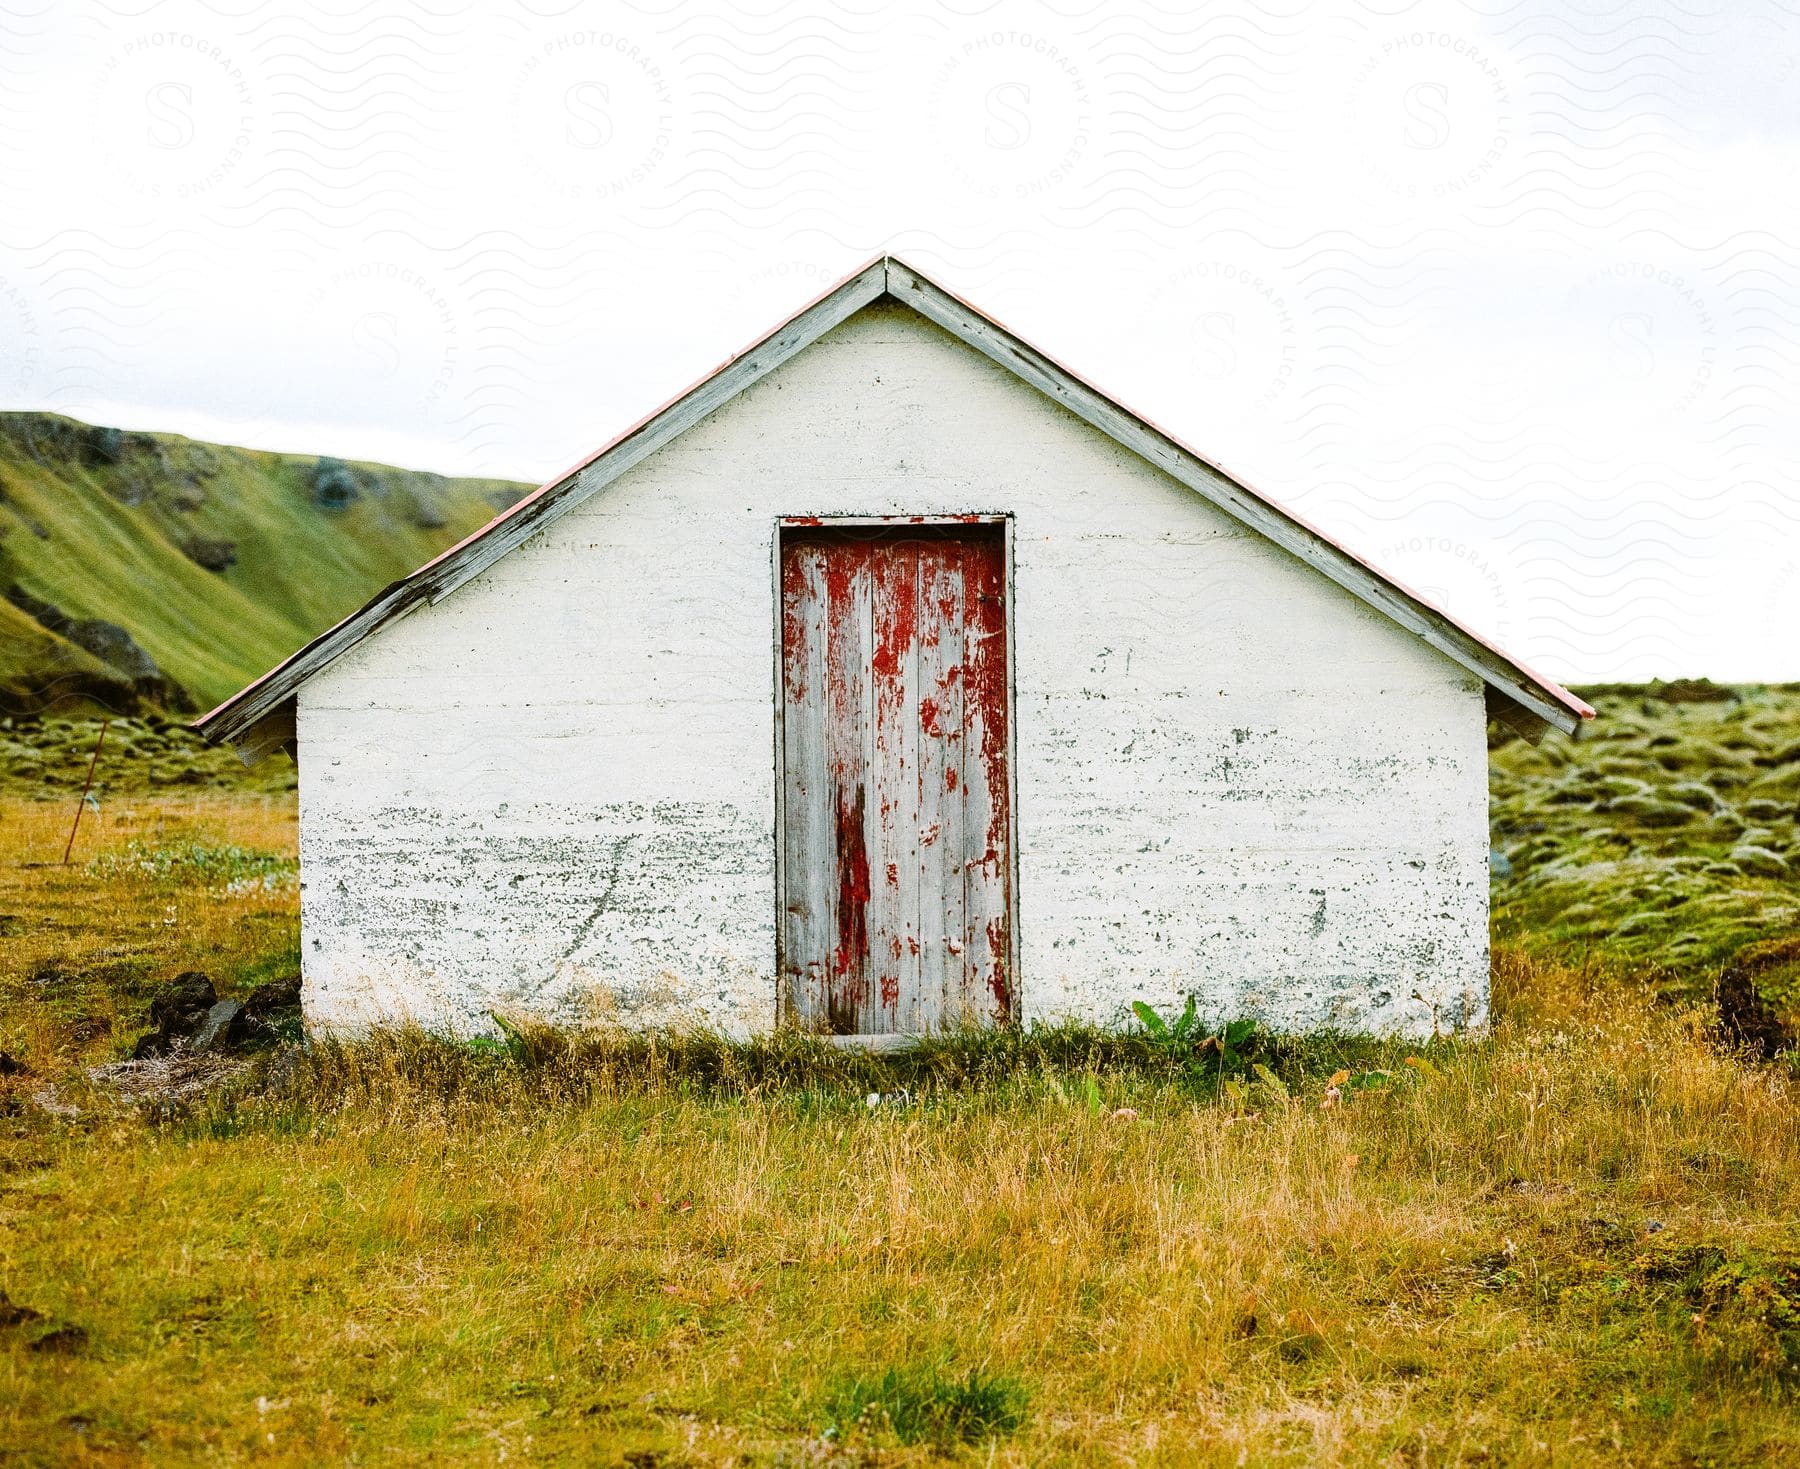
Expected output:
(52, 759)
(192, 861)
(919, 1404)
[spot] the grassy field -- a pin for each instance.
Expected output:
(1572, 1242)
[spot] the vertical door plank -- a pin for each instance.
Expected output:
(942, 940)
(804, 928)
(987, 818)
(849, 752)
(893, 869)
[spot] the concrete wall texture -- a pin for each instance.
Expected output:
(554, 792)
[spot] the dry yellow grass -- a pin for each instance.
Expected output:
(1562, 1246)
(79, 947)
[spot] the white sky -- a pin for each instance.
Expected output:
(1504, 297)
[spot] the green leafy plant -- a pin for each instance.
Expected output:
(1343, 1084)
(1234, 1044)
(510, 1045)
(1271, 1085)
(1225, 1057)
(1172, 1033)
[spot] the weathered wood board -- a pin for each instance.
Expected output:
(896, 894)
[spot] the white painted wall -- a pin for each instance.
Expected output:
(554, 791)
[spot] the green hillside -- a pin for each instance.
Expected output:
(149, 569)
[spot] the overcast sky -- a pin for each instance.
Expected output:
(1505, 297)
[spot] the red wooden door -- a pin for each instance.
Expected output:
(896, 872)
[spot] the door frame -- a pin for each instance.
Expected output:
(784, 523)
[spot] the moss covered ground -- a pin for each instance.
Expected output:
(1662, 843)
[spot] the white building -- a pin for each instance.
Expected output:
(893, 677)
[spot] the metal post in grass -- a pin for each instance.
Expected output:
(82, 803)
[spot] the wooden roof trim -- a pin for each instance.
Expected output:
(269, 697)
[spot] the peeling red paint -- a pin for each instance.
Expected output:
(913, 630)
(852, 956)
(794, 587)
(1000, 956)
(986, 712)
(848, 989)
(843, 565)
(897, 612)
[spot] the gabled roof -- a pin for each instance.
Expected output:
(260, 717)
